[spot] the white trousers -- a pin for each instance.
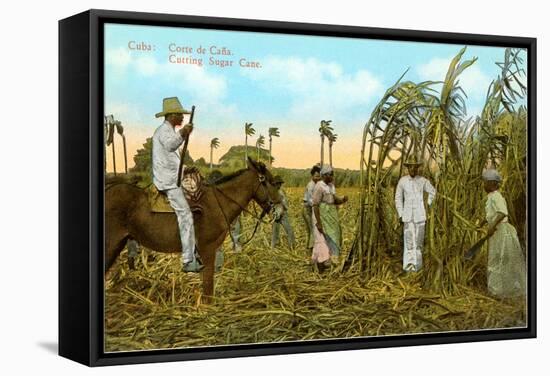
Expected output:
(413, 234)
(185, 223)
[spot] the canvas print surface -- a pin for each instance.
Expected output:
(264, 187)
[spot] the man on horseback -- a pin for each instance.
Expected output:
(166, 160)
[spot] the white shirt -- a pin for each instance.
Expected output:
(409, 198)
(308, 194)
(166, 158)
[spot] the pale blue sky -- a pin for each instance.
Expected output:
(303, 79)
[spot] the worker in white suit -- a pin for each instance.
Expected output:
(409, 201)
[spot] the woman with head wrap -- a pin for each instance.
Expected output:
(506, 262)
(307, 211)
(327, 232)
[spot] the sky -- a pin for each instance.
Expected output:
(292, 82)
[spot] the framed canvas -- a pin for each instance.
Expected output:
(234, 187)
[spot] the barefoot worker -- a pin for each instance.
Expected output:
(409, 201)
(505, 262)
(327, 230)
(166, 161)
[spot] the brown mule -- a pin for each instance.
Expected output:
(128, 216)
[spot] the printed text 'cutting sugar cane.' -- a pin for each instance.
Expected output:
(217, 56)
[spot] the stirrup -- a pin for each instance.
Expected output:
(193, 266)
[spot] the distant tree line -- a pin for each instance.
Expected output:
(233, 160)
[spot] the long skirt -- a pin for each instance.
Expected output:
(413, 234)
(329, 243)
(506, 263)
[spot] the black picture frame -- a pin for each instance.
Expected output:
(81, 187)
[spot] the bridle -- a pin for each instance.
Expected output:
(265, 209)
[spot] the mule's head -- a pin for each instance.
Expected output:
(266, 193)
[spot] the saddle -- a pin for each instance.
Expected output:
(192, 185)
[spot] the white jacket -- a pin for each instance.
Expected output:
(409, 198)
(166, 158)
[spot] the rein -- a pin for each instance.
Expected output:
(254, 215)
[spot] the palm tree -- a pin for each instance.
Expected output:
(110, 137)
(273, 132)
(331, 140)
(324, 130)
(248, 131)
(120, 131)
(259, 144)
(214, 144)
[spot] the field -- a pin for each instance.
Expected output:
(265, 295)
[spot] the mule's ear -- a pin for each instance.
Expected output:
(251, 164)
(262, 167)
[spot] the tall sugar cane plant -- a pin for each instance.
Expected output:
(430, 120)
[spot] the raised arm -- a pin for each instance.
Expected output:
(170, 140)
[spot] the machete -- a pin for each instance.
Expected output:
(475, 248)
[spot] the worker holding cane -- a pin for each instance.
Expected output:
(167, 167)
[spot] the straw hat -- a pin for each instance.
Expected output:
(413, 161)
(278, 180)
(171, 105)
